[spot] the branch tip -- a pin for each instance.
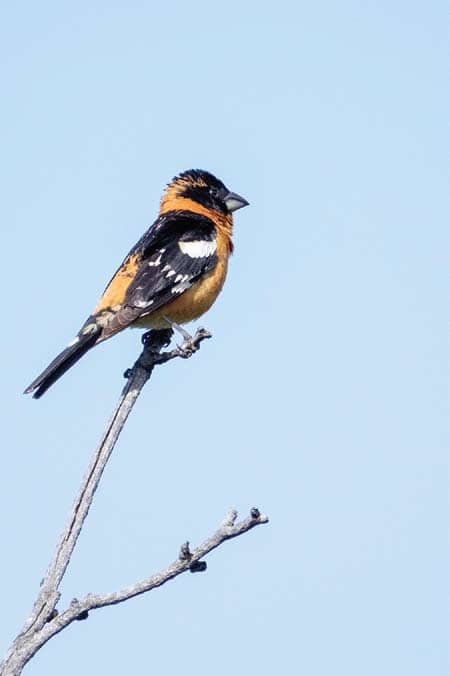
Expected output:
(202, 334)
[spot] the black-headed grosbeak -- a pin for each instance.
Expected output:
(171, 276)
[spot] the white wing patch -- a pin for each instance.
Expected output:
(183, 284)
(155, 261)
(200, 248)
(143, 303)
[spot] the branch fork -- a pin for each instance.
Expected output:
(45, 620)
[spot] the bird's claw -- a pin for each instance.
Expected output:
(187, 348)
(191, 344)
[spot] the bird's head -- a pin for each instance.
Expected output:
(202, 188)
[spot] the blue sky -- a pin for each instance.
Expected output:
(322, 397)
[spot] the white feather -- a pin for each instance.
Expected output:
(200, 248)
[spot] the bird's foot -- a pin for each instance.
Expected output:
(191, 344)
(188, 346)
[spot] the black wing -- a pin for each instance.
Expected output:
(166, 268)
(178, 250)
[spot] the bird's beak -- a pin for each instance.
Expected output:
(233, 201)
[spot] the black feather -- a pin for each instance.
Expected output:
(62, 363)
(197, 176)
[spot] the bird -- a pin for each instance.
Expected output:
(171, 276)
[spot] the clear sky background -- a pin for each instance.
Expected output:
(322, 397)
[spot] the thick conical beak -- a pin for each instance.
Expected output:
(234, 201)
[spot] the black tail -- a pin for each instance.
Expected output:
(62, 363)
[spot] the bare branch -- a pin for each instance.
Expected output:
(79, 609)
(45, 620)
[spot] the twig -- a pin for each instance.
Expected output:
(45, 620)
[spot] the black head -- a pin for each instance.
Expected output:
(205, 189)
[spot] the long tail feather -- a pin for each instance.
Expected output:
(62, 363)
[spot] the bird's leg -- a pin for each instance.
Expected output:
(190, 343)
(176, 327)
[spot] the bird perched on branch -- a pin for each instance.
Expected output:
(171, 276)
